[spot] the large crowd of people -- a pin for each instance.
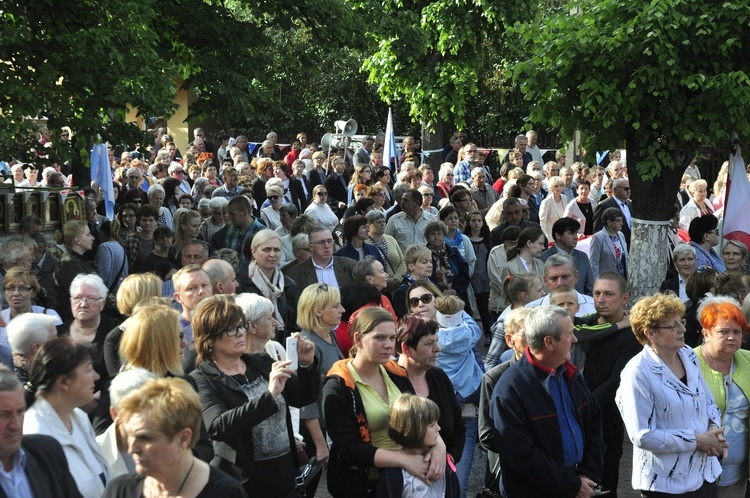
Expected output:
(147, 354)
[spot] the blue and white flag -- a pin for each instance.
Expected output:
(101, 173)
(390, 152)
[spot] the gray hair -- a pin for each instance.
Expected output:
(684, 249)
(216, 269)
(48, 171)
(445, 168)
(28, 329)
(611, 166)
(92, 280)
(542, 322)
(9, 381)
(299, 241)
(126, 382)
(478, 170)
(254, 306)
(204, 203)
(519, 138)
(314, 231)
(374, 216)
(200, 182)
(12, 252)
(173, 167)
(266, 143)
(736, 243)
(217, 203)
(557, 260)
(363, 268)
(619, 182)
(289, 209)
(134, 170)
(154, 189)
(549, 164)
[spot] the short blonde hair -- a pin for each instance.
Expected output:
(515, 320)
(172, 403)
(696, 184)
(152, 341)
(314, 297)
(262, 237)
(650, 310)
(135, 288)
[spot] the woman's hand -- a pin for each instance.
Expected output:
(436, 459)
(278, 377)
(416, 465)
(305, 350)
(712, 442)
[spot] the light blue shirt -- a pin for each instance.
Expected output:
(326, 275)
(16, 483)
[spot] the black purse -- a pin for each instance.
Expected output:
(306, 473)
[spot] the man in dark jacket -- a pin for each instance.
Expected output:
(37, 463)
(547, 424)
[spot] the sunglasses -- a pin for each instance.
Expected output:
(273, 197)
(322, 194)
(426, 299)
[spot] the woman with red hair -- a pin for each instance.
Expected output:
(726, 369)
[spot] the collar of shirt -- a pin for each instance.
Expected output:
(567, 368)
(317, 266)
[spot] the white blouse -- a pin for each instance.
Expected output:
(662, 416)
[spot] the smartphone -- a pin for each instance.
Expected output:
(291, 352)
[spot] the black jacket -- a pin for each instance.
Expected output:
(229, 415)
(47, 469)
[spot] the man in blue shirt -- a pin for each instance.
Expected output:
(33, 466)
(547, 424)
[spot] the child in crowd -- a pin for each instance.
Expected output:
(521, 289)
(414, 425)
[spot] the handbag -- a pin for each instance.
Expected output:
(307, 473)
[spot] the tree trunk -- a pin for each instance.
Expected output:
(654, 202)
(649, 254)
(432, 140)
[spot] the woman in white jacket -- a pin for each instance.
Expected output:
(667, 408)
(63, 378)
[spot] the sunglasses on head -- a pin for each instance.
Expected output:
(426, 299)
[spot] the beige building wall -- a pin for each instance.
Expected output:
(176, 125)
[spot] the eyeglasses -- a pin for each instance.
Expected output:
(426, 299)
(273, 197)
(326, 242)
(87, 300)
(675, 327)
(236, 331)
(322, 194)
(23, 289)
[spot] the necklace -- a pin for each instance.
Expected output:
(186, 477)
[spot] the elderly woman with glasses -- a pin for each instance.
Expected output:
(270, 215)
(704, 236)
(668, 411)
(320, 210)
(446, 180)
(87, 296)
(246, 397)
(20, 287)
(449, 270)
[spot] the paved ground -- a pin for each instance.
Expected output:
(480, 460)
